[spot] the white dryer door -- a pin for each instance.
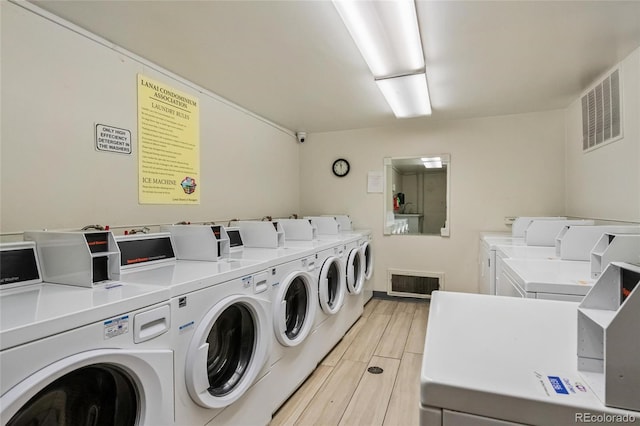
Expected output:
(228, 349)
(331, 285)
(105, 386)
(355, 271)
(294, 309)
(368, 259)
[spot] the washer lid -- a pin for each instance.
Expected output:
(294, 308)
(331, 285)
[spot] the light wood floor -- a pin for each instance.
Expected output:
(390, 335)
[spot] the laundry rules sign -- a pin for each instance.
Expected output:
(168, 144)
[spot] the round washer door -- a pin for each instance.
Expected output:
(355, 271)
(105, 386)
(368, 259)
(331, 285)
(294, 309)
(228, 349)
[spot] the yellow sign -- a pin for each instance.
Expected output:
(168, 144)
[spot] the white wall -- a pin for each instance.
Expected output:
(500, 166)
(56, 84)
(605, 183)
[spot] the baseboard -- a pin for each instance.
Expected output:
(385, 296)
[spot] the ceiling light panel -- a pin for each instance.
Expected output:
(433, 164)
(408, 96)
(386, 32)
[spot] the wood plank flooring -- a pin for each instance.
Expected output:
(390, 334)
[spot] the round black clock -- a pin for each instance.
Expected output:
(341, 167)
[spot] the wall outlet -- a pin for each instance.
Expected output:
(508, 220)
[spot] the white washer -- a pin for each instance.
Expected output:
(487, 258)
(545, 279)
(294, 304)
(74, 355)
(331, 294)
(520, 252)
(528, 347)
(354, 267)
(222, 352)
(222, 314)
(367, 251)
(295, 292)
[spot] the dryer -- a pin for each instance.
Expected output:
(74, 355)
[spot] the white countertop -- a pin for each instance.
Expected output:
(496, 356)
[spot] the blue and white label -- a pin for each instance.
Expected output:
(561, 385)
(116, 326)
(557, 385)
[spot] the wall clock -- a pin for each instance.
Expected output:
(341, 167)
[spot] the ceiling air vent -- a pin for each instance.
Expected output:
(602, 113)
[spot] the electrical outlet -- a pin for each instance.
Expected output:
(508, 220)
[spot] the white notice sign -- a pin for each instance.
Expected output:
(375, 182)
(113, 139)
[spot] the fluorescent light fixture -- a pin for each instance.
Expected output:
(387, 34)
(433, 164)
(408, 96)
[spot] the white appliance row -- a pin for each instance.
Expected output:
(553, 260)
(145, 337)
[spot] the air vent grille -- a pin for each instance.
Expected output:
(602, 113)
(414, 283)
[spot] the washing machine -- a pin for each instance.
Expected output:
(524, 371)
(332, 290)
(487, 258)
(354, 269)
(221, 334)
(295, 305)
(292, 267)
(545, 279)
(340, 309)
(367, 252)
(74, 355)
(520, 252)
(222, 352)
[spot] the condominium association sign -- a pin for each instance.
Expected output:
(168, 144)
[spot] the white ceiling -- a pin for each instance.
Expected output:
(294, 62)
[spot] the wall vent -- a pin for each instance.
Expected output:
(414, 283)
(602, 113)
